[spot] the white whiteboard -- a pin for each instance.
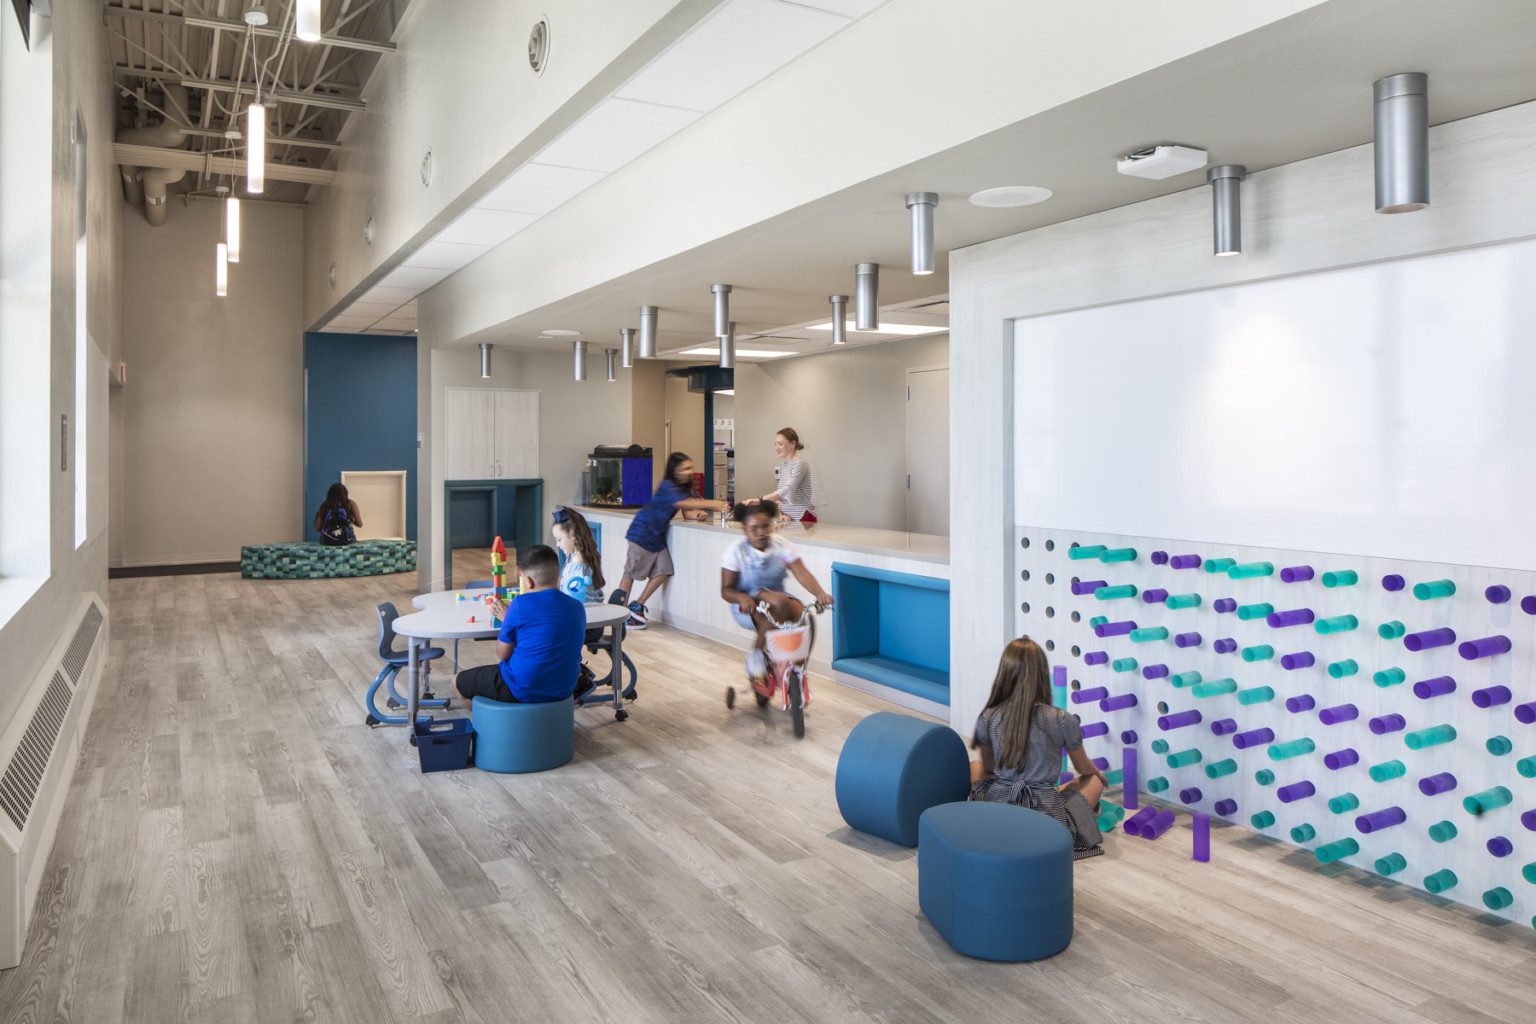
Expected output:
(1381, 410)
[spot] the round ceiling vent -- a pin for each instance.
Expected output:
(426, 169)
(1011, 195)
(330, 275)
(538, 46)
(368, 230)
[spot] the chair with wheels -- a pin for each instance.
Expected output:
(394, 661)
(602, 640)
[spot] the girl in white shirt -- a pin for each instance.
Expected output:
(753, 570)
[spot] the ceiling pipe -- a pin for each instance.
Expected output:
(147, 187)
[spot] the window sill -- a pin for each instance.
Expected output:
(16, 591)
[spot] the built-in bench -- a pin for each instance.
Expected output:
(321, 561)
(892, 628)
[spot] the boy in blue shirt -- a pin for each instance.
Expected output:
(538, 651)
(649, 558)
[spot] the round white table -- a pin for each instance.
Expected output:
(444, 617)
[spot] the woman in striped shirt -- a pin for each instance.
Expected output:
(793, 495)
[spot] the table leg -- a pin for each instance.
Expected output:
(618, 665)
(413, 681)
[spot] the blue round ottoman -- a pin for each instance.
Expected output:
(893, 768)
(514, 738)
(996, 879)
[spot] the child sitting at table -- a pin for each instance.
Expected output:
(1020, 734)
(538, 652)
(582, 574)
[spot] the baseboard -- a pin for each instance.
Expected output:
(123, 572)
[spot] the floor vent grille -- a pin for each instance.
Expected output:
(24, 774)
(80, 646)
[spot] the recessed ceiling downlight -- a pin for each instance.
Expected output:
(1011, 195)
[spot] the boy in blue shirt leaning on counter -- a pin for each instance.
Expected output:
(538, 651)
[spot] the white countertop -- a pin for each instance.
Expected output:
(920, 547)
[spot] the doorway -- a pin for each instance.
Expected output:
(928, 450)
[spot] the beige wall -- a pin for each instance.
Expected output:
(849, 408)
(648, 411)
(213, 413)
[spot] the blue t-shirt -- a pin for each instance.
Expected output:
(545, 629)
(649, 530)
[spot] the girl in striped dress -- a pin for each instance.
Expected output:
(1020, 734)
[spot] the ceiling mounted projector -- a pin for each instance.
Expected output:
(1158, 162)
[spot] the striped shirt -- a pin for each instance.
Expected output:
(1049, 731)
(794, 488)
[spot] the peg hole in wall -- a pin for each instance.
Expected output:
(1076, 686)
(1050, 577)
(1077, 652)
(1023, 542)
(1050, 645)
(1077, 617)
(1162, 707)
(1024, 575)
(1024, 607)
(1050, 545)
(1050, 612)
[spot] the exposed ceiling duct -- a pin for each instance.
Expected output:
(147, 186)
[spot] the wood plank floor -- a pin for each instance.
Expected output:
(239, 847)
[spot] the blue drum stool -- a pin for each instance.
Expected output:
(517, 738)
(996, 879)
(893, 768)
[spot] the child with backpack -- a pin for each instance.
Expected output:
(337, 516)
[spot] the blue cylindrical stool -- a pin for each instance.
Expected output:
(893, 768)
(514, 738)
(996, 879)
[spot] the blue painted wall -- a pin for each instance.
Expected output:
(359, 413)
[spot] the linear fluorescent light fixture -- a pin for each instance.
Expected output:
(306, 20)
(255, 148)
(886, 327)
(747, 353)
(221, 270)
(232, 228)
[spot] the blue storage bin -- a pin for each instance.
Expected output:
(445, 746)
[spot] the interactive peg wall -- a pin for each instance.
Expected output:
(1378, 712)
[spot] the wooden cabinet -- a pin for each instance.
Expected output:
(491, 434)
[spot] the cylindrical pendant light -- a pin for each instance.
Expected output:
(232, 228)
(255, 148)
(1227, 207)
(921, 205)
(722, 293)
(627, 346)
(221, 270)
(306, 20)
(1402, 143)
(648, 317)
(728, 347)
(839, 319)
(866, 297)
(485, 361)
(579, 352)
(610, 353)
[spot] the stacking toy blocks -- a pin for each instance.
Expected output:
(1380, 713)
(498, 576)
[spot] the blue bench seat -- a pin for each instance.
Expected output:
(293, 561)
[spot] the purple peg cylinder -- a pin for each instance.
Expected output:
(1435, 784)
(1528, 819)
(1059, 676)
(1393, 582)
(1187, 640)
(1134, 822)
(1154, 596)
(1192, 795)
(1341, 758)
(1429, 638)
(1226, 808)
(1155, 672)
(1336, 715)
(1202, 827)
(1178, 720)
(1064, 777)
(1296, 705)
(1296, 574)
(1101, 763)
(1159, 558)
(1291, 617)
(1224, 605)
(1118, 702)
(1295, 791)
(1439, 686)
(1158, 825)
(1128, 780)
(1095, 729)
(1497, 594)
(1090, 695)
(1253, 738)
(1499, 846)
(1128, 737)
(1388, 723)
(1526, 713)
(1224, 727)
(1185, 561)
(1528, 605)
(1096, 658)
(1487, 647)
(1301, 659)
(1226, 645)
(1378, 820)
(1491, 696)
(1113, 629)
(1083, 587)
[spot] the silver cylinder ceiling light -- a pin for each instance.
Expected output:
(627, 346)
(648, 317)
(728, 347)
(1402, 143)
(1227, 208)
(921, 205)
(485, 361)
(610, 353)
(839, 319)
(579, 354)
(866, 297)
(722, 294)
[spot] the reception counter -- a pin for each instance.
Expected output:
(691, 600)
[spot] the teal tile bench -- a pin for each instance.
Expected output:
(320, 561)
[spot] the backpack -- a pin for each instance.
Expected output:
(336, 527)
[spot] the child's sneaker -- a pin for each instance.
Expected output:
(757, 667)
(636, 615)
